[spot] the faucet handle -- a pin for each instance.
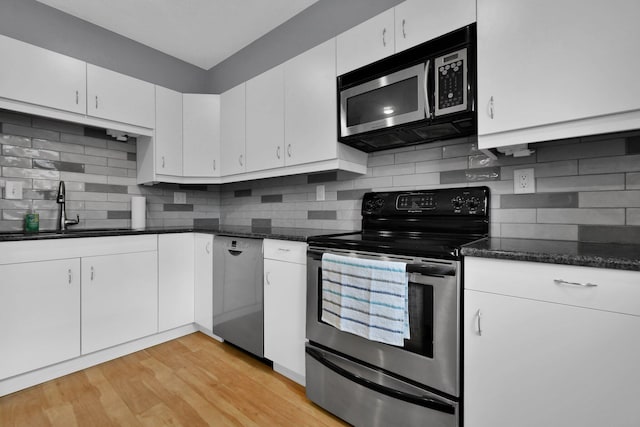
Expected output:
(72, 221)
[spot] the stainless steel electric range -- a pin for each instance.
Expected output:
(369, 383)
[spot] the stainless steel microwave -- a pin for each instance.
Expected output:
(417, 96)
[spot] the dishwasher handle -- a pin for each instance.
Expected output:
(234, 252)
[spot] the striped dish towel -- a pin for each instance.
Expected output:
(366, 297)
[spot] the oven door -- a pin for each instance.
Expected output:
(431, 356)
(388, 101)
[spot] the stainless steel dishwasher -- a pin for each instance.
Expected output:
(238, 266)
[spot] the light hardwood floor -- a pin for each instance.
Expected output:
(191, 381)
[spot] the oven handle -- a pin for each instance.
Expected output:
(432, 269)
(425, 269)
(427, 402)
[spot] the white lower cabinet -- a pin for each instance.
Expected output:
(175, 280)
(39, 314)
(119, 299)
(285, 284)
(541, 353)
(203, 278)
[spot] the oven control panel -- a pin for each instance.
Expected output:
(454, 201)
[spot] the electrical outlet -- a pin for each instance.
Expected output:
(13, 190)
(179, 197)
(524, 181)
(320, 195)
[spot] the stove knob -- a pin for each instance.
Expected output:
(379, 203)
(473, 204)
(456, 203)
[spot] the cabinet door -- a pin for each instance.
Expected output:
(175, 279)
(203, 276)
(232, 130)
(119, 299)
(39, 76)
(366, 43)
(39, 314)
(310, 105)
(284, 314)
(541, 63)
(168, 132)
(265, 120)
(543, 364)
(201, 134)
(418, 21)
(114, 96)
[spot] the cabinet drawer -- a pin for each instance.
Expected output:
(285, 251)
(615, 290)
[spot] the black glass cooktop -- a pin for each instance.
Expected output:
(428, 245)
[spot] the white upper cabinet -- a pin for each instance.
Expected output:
(265, 120)
(168, 132)
(366, 43)
(232, 130)
(418, 21)
(550, 70)
(310, 105)
(38, 76)
(201, 135)
(114, 96)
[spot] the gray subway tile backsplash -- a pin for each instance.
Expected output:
(172, 207)
(587, 188)
(271, 198)
(609, 234)
(58, 165)
(321, 215)
(539, 200)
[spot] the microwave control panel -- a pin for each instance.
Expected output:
(451, 82)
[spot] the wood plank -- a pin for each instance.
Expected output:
(191, 381)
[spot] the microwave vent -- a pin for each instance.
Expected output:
(433, 132)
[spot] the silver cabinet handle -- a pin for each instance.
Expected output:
(240, 159)
(70, 276)
(490, 108)
(561, 282)
(214, 164)
(96, 102)
(426, 89)
(384, 33)
(289, 150)
(404, 33)
(478, 324)
(93, 275)
(278, 152)
(284, 250)
(77, 97)
(266, 277)
(163, 162)
(208, 247)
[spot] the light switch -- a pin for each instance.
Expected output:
(13, 190)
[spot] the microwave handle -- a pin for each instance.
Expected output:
(427, 107)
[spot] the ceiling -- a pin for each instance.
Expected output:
(200, 32)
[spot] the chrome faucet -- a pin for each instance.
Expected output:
(63, 222)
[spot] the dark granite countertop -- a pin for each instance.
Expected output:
(602, 255)
(279, 233)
